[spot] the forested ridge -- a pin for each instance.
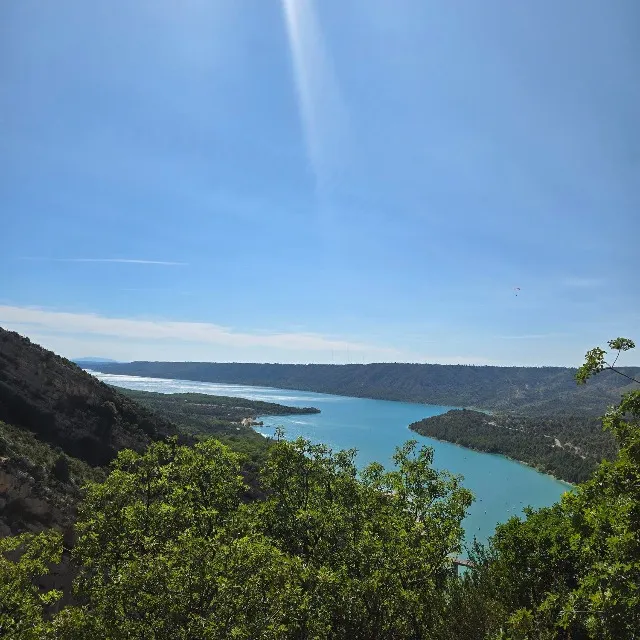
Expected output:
(544, 391)
(567, 447)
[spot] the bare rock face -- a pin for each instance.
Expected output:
(25, 506)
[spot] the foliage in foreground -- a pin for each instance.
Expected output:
(168, 551)
(21, 602)
(571, 570)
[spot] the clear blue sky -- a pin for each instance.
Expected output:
(317, 181)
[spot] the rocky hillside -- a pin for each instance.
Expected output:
(39, 484)
(58, 427)
(67, 408)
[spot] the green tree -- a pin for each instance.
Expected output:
(595, 360)
(168, 550)
(148, 537)
(23, 559)
(573, 570)
(376, 547)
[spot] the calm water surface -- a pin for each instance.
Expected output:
(375, 427)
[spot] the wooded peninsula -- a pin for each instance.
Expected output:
(567, 447)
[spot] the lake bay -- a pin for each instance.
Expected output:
(502, 487)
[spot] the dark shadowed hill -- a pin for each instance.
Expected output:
(39, 485)
(60, 426)
(67, 408)
(526, 390)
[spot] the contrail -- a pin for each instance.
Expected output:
(167, 263)
(321, 108)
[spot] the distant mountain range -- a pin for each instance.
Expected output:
(531, 391)
(94, 359)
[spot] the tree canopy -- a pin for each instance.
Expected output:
(573, 570)
(167, 549)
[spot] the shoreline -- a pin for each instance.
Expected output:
(260, 416)
(502, 455)
(259, 386)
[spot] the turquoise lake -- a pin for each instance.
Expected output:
(375, 427)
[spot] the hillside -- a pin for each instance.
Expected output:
(66, 407)
(60, 426)
(202, 414)
(224, 418)
(523, 390)
(39, 485)
(568, 447)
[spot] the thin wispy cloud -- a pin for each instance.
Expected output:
(165, 263)
(26, 319)
(321, 106)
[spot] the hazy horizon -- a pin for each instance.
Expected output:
(89, 360)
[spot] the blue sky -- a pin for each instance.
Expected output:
(318, 181)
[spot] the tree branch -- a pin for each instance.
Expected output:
(610, 366)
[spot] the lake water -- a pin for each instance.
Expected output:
(375, 427)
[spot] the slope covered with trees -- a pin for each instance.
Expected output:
(203, 414)
(224, 418)
(568, 447)
(60, 427)
(543, 391)
(68, 408)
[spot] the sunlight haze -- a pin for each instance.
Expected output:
(320, 181)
